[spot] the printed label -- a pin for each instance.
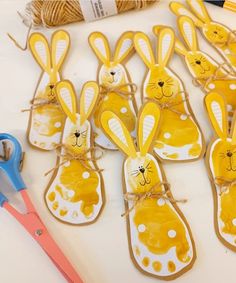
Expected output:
(97, 9)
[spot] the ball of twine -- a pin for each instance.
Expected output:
(51, 13)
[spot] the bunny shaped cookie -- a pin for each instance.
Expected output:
(75, 193)
(202, 67)
(46, 118)
(160, 239)
(217, 34)
(180, 138)
(115, 80)
(221, 164)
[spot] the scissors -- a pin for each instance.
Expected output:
(10, 162)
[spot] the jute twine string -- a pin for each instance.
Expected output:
(215, 76)
(138, 198)
(224, 183)
(6, 152)
(40, 102)
(51, 13)
(171, 104)
(126, 94)
(68, 155)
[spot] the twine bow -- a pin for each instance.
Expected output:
(68, 155)
(215, 76)
(138, 198)
(171, 104)
(224, 183)
(41, 102)
(126, 94)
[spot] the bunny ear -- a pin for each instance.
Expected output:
(188, 31)
(165, 46)
(60, 47)
(180, 10)
(88, 100)
(233, 129)
(217, 112)
(118, 133)
(156, 29)
(124, 46)
(67, 98)
(144, 49)
(180, 48)
(39, 47)
(148, 125)
(100, 46)
(199, 9)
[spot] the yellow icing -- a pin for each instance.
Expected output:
(171, 266)
(218, 35)
(157, 266)
(177, 128)
(146, 261)
(224, 165)
(154, 219)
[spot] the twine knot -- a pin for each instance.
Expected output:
(69, 155)
(138, 198)
(126, 94)
(224, 183)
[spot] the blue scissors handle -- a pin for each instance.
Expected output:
(12, 165)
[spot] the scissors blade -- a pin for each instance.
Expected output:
(57, 256)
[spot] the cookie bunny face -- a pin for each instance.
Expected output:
(78, 137)
(160, 83)
(198, 62)
(221, 162)
(112, 73)
(160, 242)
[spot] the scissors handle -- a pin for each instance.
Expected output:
(11, 167)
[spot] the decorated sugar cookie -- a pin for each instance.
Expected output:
(117, 90)
(160, 240)
(75, 193)
(218, 35)
(46, 118)
(208, 73)
(180, 138)
(221, 164)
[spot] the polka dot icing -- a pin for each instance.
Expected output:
(71, 193)
(167, 135)
(211, 86)
(234, 221)
(85, 175)
(57, 125)
(141, 228)
(161, 201)
(171, 233)
(67, 164)
(123, 110)
(183, 117)
(229, 107)
(232, 86)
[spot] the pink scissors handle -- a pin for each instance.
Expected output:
(33, 224)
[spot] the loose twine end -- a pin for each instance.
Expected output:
(25, 46)
(6, 152)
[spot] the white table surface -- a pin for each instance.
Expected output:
(99, 251)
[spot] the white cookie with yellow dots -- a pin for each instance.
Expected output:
(114, 79)
(46, 117)
(180, 137)
(221, 164)
(160, 240)
(209, 74)
(75, 194)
